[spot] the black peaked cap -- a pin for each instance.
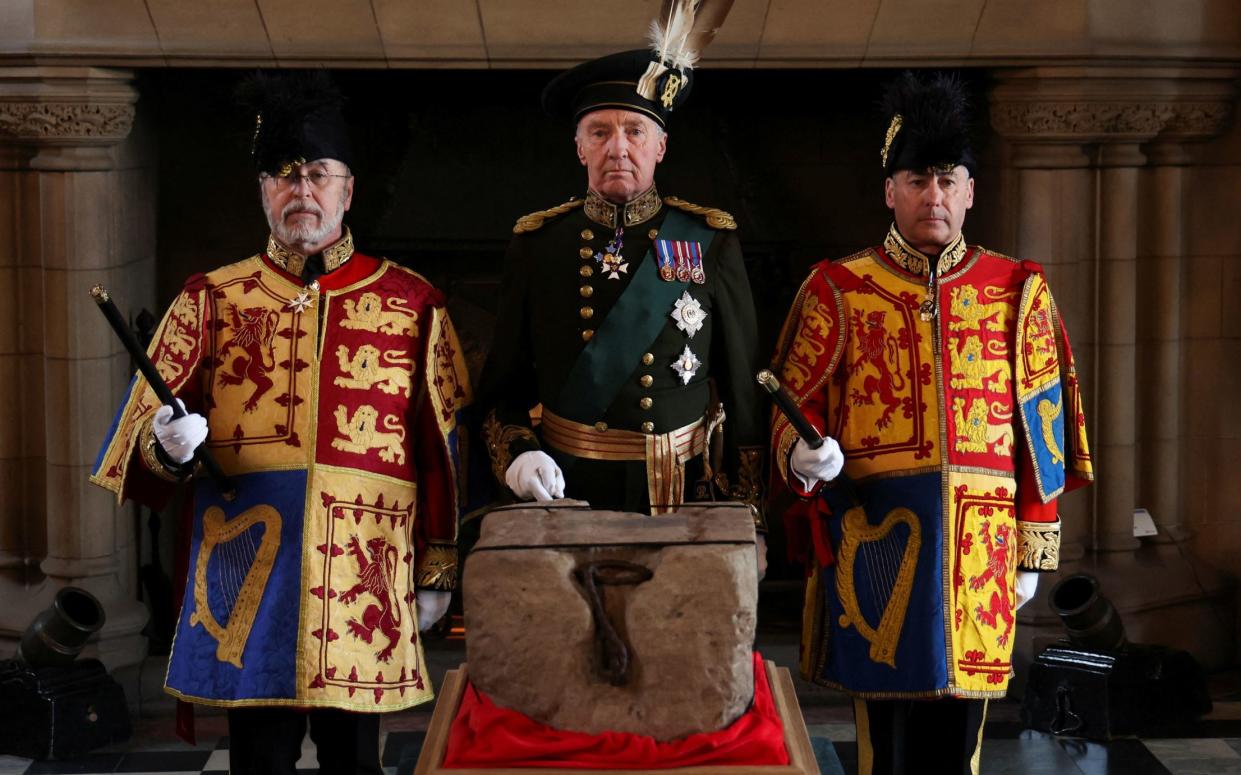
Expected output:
(611, 82)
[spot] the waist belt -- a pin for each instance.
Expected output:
(665, 453)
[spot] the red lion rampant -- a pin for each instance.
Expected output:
(253, 329)
(876, 347)
(376, 573)
(998, 560)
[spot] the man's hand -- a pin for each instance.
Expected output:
(535, 476)
(816, 465)
(432, 605)
(180, 437)
(1025, 586)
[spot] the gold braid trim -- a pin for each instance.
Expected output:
(1038, 545)
(334, 255)
(437, 568)
(748, 487)
(146, 447)
(535, 220)
(716, 218)
(784, 448)
(498, 438)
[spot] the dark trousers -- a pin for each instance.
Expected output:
(895, 737)
(268, 741)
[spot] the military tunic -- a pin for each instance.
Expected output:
(333, 406)
(558, 290)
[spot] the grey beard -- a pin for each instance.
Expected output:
(301, 237)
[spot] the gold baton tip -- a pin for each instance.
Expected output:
(99, 293)
(768, 380)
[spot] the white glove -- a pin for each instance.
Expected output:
(534, 475)
(1025, 586)
(181, 436)
(816, 465)
(432, 605)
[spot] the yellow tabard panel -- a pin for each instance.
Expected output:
(359, 646)
(888, 415)
(981, 521)
(261, 371)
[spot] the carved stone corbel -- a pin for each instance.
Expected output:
(64, 118)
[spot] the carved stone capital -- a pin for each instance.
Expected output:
(1088, 105)
(66, 117)
(72, 123)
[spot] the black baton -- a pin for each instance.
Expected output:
(808, 433)
(100, 294)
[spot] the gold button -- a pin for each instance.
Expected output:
(646, 380)
(648, 359)
(648, 426)
(587, 334)
(586, 312)
(647, 402)
(314, 285)
(601, 426)
(587, 234)
(586, 270)
(586, 291)
(653, 233)
(585, 252)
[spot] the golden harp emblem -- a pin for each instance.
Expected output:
(219, 532)
(889, 574)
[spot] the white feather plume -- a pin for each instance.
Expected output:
(669, 35)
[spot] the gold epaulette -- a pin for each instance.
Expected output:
(716, 218)
(535, 220)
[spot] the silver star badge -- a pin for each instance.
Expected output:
(688, 314)
(686, 365)
(302, 303)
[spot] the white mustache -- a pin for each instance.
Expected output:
(294, 207)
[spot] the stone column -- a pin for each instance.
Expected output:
(1115, 437)
(1161, 368)
(1159, 346)
(78, 214)
(1053, 226)
(1079, 137)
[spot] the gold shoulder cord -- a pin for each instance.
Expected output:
(535, 220)
(716, 218)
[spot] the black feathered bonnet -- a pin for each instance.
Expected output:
(298, 117)
(928, 124)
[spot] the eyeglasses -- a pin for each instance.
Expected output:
(317, 179)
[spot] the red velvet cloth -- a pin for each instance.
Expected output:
(485, 735)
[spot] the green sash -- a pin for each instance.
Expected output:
(630, 328)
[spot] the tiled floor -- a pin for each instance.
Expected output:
(1214, 748)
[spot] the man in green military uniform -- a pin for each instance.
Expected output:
(623, 316)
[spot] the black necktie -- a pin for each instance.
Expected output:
(313, 268)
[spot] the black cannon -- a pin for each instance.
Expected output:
(52, 704)
(1097, 685)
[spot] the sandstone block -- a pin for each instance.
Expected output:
(531, 632)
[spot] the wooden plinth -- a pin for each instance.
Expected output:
(796, 738)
